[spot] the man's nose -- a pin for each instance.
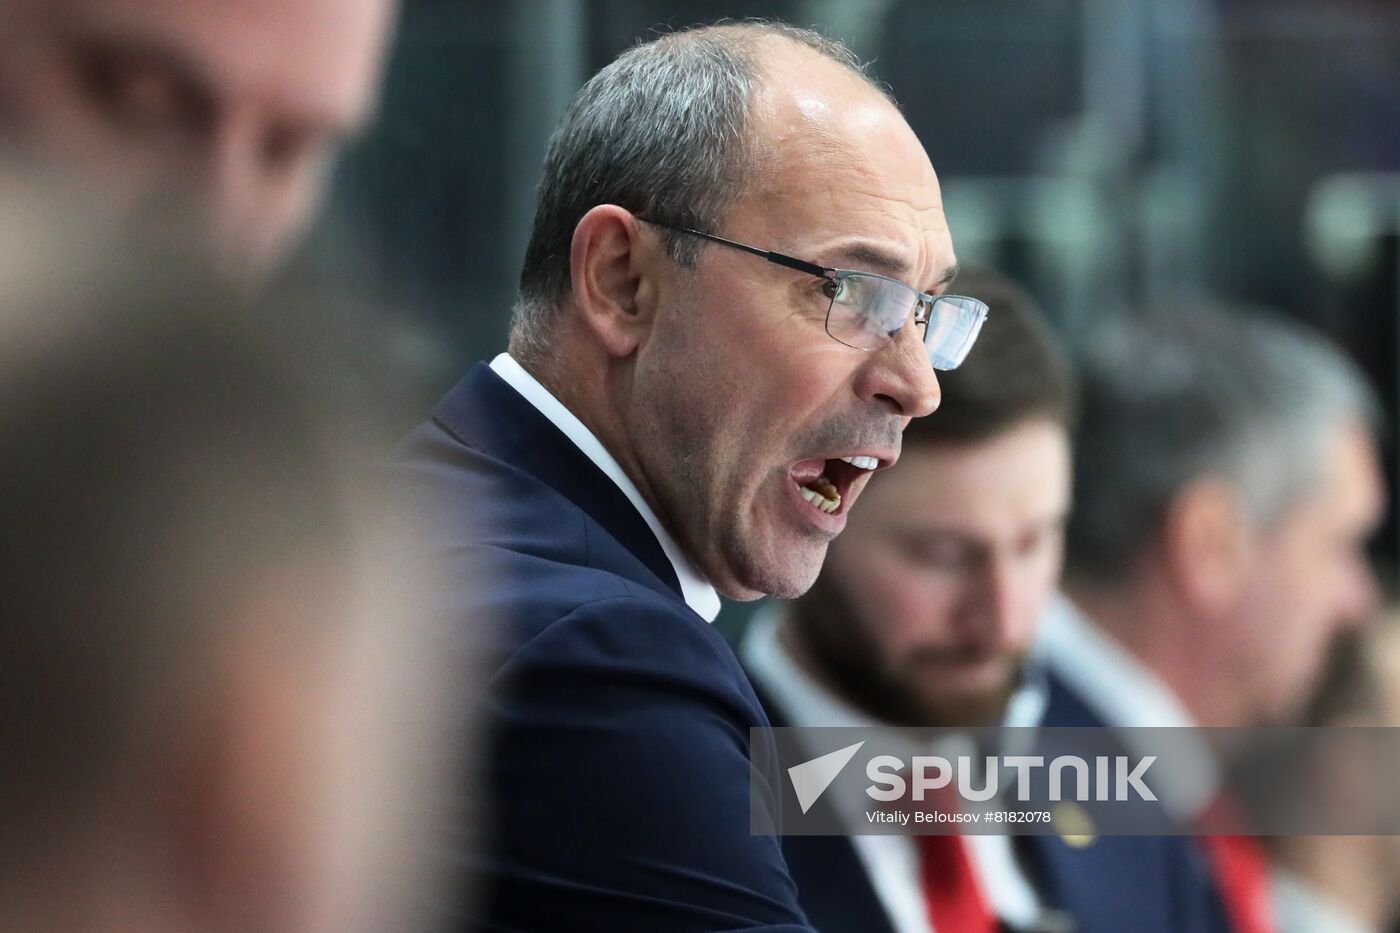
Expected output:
(900, 376)
(227, 205)
(995, 608)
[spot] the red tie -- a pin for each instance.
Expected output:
(951, 890)
(1243, 875)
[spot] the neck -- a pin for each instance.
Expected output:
(596, 390)
(1145, 619)
(579, 380)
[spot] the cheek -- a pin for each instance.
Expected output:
(671, 394)
(815, 373)
(921, 613)
(1302, 591)
(787, 362)
(1043, 576)
(1288, 628)
(902, 609)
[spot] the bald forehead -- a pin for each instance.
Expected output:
(840, 171)
(799, 86)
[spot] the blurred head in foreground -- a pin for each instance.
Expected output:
(927, 602)
(1226, 484)
(198, 713)
(220, 119)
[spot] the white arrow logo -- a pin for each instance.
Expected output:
(811, 778)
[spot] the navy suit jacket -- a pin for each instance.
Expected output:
(1146, 884)
(615, 770)
(1140, 883)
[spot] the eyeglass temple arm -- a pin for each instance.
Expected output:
(801, 265)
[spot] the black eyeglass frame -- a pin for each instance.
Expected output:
(924, 302)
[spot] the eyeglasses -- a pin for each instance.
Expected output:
(867, 310)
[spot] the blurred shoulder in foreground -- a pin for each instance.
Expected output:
(204, 711)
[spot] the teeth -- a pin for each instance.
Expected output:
(862, 463)
(829, 500)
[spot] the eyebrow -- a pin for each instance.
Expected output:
(947, 277)
(870, 257)
(115, 39)
(925, 535)
(935, 534)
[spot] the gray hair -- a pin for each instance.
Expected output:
(1173, 396)
(661, 131)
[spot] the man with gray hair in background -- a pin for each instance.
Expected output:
(730, 308)
(1226, 484)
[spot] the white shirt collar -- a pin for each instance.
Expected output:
(699, 595)
(1125, 693)
(1302, 908)
(1105, 675)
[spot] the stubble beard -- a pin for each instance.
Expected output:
(837, 649)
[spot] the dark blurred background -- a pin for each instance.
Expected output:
(1107, 153)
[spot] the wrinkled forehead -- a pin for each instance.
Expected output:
(835, 165)
(318, 59)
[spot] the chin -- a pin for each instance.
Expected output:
(784, 578)
(966, 710)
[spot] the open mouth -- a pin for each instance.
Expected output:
(826, 484)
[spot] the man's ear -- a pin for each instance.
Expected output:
(1208, 544)
(614, 288)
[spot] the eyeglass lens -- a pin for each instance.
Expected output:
(867, 311)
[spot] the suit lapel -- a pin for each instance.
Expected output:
(485, 413)
(1063, 707)
(832, 885)
(1148, 883)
